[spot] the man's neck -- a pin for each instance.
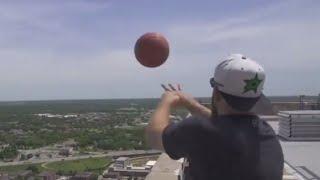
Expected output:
(235, 113)
(230, 111)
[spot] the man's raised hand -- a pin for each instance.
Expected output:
(179, 99)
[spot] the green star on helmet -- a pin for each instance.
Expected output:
(252, 84)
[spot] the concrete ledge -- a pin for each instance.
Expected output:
(165, 168)
(169, 169)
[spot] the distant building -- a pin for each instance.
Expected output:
(149, 165)
(70, 143)
(29, 156)
(2, 146)
(63, 178)
(18, 132)
(111, 175)
(48, 115)
(66, 151)
(70, 116)
(47, 176)
(123, 169)
(83, 176)
(121, 162)
(25, 175)
(4, 176)
(318, 102)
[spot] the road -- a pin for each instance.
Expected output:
(93, 155)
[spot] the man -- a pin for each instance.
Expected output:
(232, 144)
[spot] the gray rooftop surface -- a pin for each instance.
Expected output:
(302, 112)
(165, 168)
(122, 158)
(300, 153)
(303, 154)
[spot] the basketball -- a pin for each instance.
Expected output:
(151, 49)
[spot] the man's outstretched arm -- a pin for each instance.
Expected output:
(197, 109)
(160, 120)
(188, 102)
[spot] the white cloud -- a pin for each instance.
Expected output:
(286, 39)
(283, 37)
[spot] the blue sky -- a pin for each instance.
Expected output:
(84, 49)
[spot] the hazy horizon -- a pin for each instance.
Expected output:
(141, 98)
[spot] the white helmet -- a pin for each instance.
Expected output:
(239, 76)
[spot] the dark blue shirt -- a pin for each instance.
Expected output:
(226, 147)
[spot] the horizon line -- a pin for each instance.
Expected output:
(128, 98)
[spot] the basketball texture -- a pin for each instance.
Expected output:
(151, 49)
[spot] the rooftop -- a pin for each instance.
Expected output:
(165, 168)
(301, 112)
(151, 163)
(122, 158)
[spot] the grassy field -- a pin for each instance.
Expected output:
(19, 168)
(97, 165)
(68, 167)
